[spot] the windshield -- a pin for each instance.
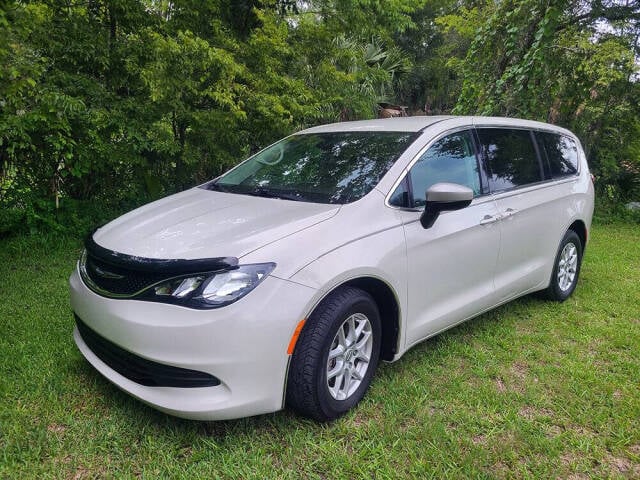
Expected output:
(336, 167)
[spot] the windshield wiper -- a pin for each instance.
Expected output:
(258, 191)
(216, 187)
(270, 193)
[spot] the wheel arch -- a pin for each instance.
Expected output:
(389, 309)
(580, 228)
(388, 305)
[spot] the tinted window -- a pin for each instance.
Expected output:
(511, 157)
(450, 159)
(336, 167)
(562, 153)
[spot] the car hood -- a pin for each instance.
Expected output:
(200, 223)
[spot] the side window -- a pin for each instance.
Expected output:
(511, 158)
(562, 153)
(450, 159)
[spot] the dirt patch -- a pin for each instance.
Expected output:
(479, 440)
(524, 328)
(56, 428)
(499, 470)
(618, 464)
(500, 386)
(360, 420)
(407, 424)
(582, 431)
(185, 452)
(553, 431)
(634, 450)
(569, 459)
(429, 411)
(531, 413)
(519, 370)
(520, 377)
(81, 472)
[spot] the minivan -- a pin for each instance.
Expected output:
(285, 281)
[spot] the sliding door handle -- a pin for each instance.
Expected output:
(487, 219)
(509, 212)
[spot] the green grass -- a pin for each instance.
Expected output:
(530, 390)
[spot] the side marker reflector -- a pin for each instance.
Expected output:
(294, 337)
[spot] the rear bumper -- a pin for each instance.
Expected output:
(243, 345)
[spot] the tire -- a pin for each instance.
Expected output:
(566, 268)
(317, 386)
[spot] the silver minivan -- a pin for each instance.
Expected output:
(286, 280)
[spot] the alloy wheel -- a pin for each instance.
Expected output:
(349, 356)
(567, 266)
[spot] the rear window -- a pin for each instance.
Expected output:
(511, 158)
(562, 153)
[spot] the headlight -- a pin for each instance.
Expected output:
(210, 290)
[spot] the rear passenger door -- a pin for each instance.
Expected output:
(529, 221)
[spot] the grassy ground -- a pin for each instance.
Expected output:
(532, 389)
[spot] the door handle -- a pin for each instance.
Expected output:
(487, 219)
(509, 212)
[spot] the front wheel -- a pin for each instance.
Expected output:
(566, 268)
(336, 355)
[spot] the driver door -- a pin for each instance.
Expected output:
(451, 265)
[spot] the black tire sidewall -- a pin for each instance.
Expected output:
(554, 288)
(331, 407)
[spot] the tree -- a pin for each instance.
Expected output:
(564, 62)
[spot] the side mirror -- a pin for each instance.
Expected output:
(443, 197)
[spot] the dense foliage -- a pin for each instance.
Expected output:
(112, 102)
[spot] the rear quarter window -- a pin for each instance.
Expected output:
(561, 152)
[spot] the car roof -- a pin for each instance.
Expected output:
(397, 124)
(419, 123)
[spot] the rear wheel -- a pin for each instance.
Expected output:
(336, 355)
(566, 268)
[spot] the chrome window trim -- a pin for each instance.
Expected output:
(531, 187)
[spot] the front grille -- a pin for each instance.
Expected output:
(118, 275)
(140, 370)
(119, 280)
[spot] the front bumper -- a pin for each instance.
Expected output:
(244, 345)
